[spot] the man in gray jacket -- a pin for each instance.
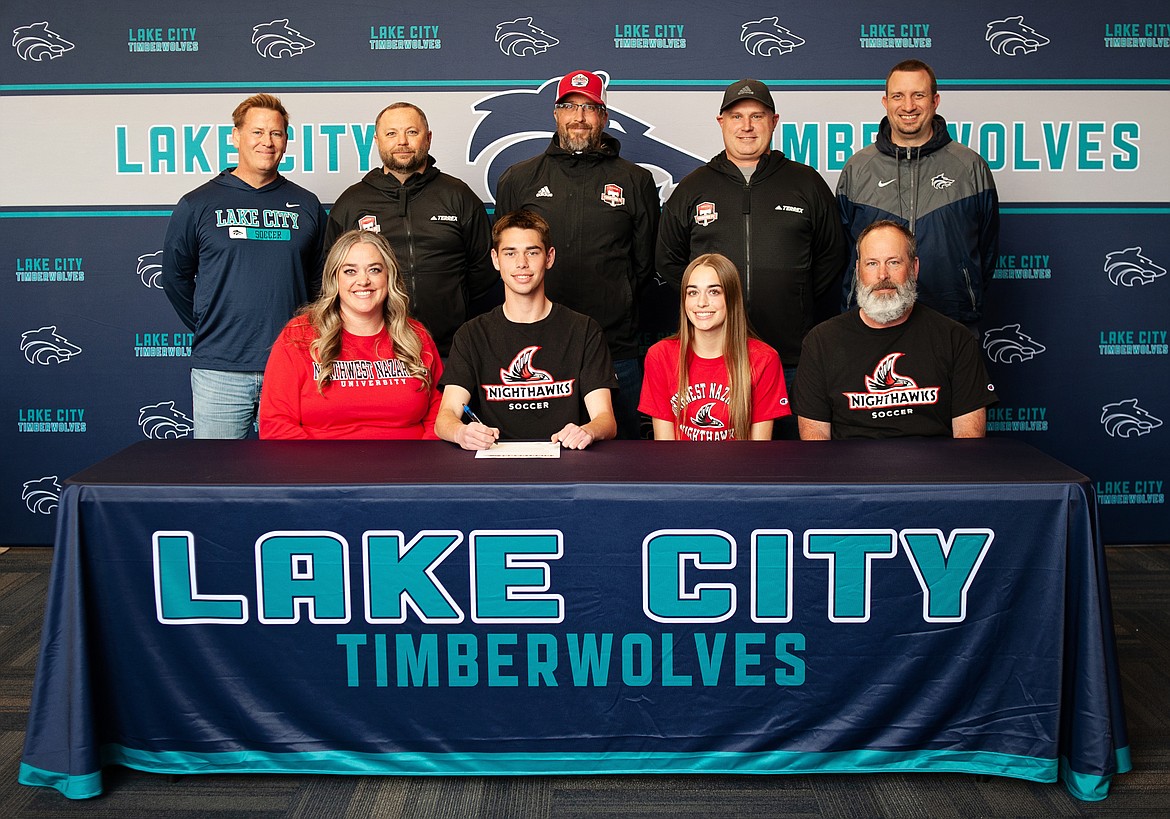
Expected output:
(917, 175)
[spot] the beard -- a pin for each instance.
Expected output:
(885, 302)
(577, 140)
(416, 163)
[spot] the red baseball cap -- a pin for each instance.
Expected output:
(582, 82)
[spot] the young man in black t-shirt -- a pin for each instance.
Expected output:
(530, 369)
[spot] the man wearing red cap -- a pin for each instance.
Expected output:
(603, 211)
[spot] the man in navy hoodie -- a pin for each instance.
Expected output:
(242, 253)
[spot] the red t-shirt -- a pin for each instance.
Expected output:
(706, 417)
(370, 396)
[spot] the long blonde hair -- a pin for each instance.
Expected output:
(324, 314)
(736, 332)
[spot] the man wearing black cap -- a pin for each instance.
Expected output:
(776, 219)
(603, 211)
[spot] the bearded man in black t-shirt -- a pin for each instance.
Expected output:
(890, 368)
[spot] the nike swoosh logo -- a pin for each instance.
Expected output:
(883, 184)
(291, 205)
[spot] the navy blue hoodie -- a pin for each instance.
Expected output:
(237, 263)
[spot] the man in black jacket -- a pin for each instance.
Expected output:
(603, 211)
(436, 224)
(776, 219)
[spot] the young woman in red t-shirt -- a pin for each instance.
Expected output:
(713, 380)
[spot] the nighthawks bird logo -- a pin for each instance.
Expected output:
(884, 378)
(767, 38)
(42, 495)
(36, 43)
(517, 125)
(520, 38)
(704, 419)
(1129, 267)
(162, 420)
(521, 371)
(1125, 419)
(44, 346)
(886, 387)
(1010, 37)
(150, 268)
(275, 40)
(1007, 345)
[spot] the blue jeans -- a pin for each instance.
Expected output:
(625, 400)
(225, 404)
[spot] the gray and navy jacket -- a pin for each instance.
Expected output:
(943, 191)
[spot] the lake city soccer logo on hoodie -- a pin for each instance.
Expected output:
(521, 380)
(886, 387)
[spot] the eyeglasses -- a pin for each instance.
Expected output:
(587, 107)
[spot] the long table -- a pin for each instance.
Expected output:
(640, 607)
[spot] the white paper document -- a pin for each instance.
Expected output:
(521, 449)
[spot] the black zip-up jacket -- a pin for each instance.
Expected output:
(441, 237)
(603, 211)
(782, 230)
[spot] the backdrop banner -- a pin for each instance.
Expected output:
(110, 116)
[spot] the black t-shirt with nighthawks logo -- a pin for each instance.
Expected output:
(892, 382)
(529, 380)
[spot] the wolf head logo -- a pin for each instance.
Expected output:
(35, 43)
(1129, 267)
(517, 125)
(42, 495)
(275, 40)
(44, 346)
(1125, 419)
(150, 268)
(1007, 345)
(1010, 37)
(162, 420)
(520, 38)
(767, 38)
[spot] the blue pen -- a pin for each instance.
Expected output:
(467, 411)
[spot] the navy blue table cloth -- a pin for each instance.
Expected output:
(640, 607)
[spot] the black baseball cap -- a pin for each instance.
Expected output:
(747, 89)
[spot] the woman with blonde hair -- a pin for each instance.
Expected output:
(713, 380)
(353, 364)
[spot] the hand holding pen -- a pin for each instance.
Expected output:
(477, 434)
